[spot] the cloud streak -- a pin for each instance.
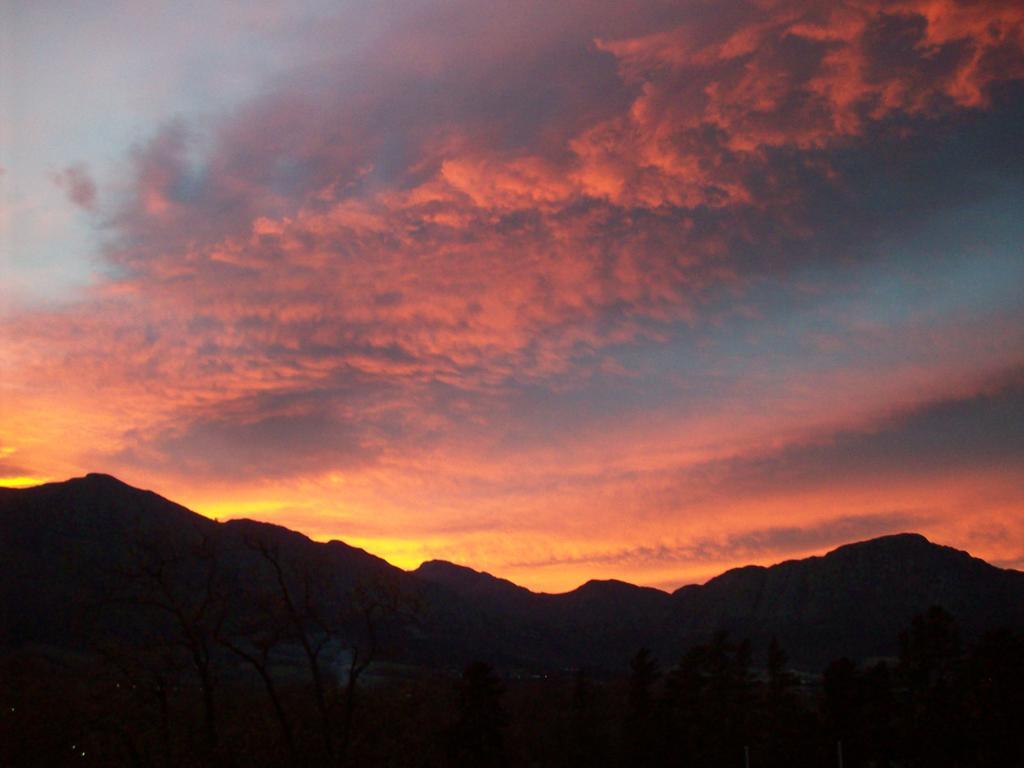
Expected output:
(751, 545)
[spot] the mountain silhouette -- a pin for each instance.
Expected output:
(68, 546)
(853, 600)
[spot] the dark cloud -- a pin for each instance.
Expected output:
(12, 469)
(980, 431)
(976, 432)
(77, 183)
(270, 446)
(269, 435)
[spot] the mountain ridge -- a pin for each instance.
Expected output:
(429, 568)
(57, 538)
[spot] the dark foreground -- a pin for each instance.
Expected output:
(939, 704)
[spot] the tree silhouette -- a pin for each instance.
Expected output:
(995, 704)
(476, 738)
(587, 744)
(371, 605)
(930, 667)
(706, 714)
(300, 592)
(640, 738)
(781, 716)
(177, 588)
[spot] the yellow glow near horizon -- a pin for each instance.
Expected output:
(233, 510)
(22, 481)
(402, 553)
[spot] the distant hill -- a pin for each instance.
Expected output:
(68, 547)
(854, 600)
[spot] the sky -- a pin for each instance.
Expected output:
(559, 291)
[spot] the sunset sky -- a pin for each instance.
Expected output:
(558, 290)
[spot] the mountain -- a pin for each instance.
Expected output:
(71, 550)
(853, 600)
(477, 586)
(68, 549)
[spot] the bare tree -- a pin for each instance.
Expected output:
(181, 582)
(296, 614)
(374, 603)
(254, 637)
(305, 606)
